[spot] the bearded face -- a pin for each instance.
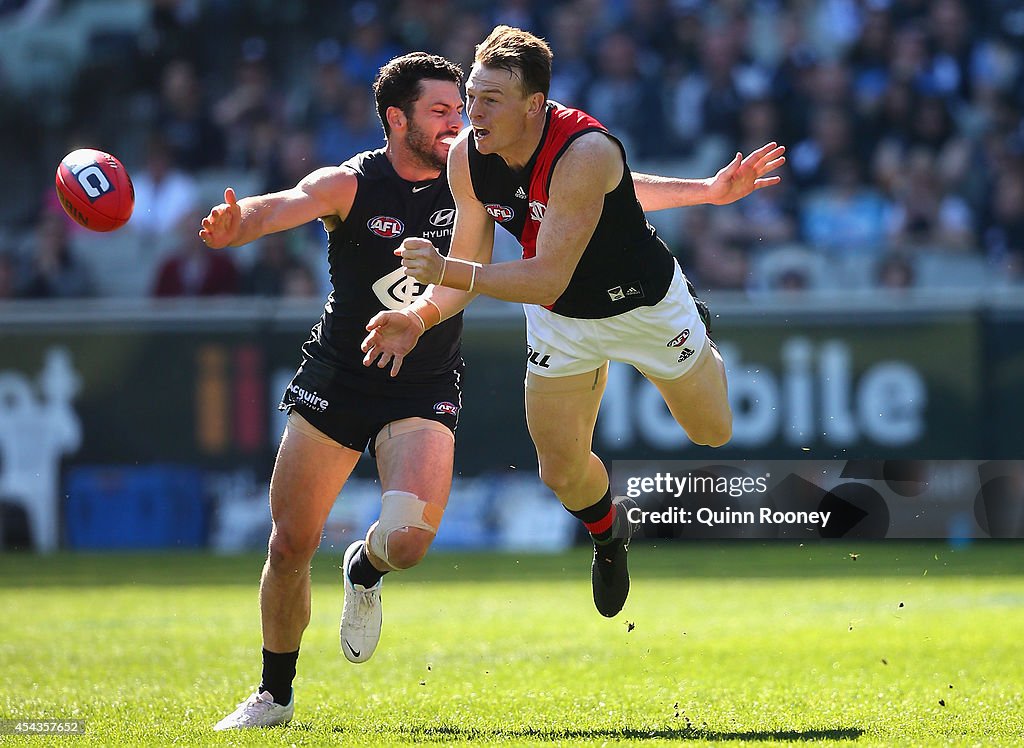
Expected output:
(426, 147)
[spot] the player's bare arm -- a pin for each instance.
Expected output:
(733, 182)
(391, 335)
(473, 237)
(589, 169)
(325, 193)
(472, 240)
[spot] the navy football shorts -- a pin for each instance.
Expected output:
(353, 418)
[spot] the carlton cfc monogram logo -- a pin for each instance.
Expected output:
(385, 226)
(396, 290)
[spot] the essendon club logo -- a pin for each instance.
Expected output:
(446, 408)
(537, 210)
(500, 213)
(385, 226)
(679, 339)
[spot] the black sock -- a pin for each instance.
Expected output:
(599, 519)
(278, 674)
(361, 571)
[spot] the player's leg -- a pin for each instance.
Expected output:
(669, 342)
(699, 399)
(308, 475)
(415, 457)
(561, 413)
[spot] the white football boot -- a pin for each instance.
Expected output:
(361, 615)
(259, 710)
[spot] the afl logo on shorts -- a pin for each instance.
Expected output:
(385, 226)
(443, 217)
(500, 213)
(679, 339)
(446, 408)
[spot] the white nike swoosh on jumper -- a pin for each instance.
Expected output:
(421, 187)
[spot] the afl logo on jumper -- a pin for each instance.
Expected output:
(443, 217)
(679, 339)
(500, 213)
(446, 408)
(396, 290)
(385, 226)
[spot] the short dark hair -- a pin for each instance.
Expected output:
(398, 82)
(520, 53)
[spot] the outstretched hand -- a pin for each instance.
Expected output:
(741, 176)
(221, 227)
(391, 335)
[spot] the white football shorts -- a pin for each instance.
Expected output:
(661, 341)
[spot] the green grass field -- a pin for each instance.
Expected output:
(747, 643)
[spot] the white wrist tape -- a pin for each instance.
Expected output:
(423, 325)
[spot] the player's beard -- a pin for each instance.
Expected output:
(423, 148)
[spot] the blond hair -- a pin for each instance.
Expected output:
(519, 52)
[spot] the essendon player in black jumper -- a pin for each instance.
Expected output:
(596, 282)
(336, 406)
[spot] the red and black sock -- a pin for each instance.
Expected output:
(599, 519)
(278, 674)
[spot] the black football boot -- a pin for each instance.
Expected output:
(609, 573)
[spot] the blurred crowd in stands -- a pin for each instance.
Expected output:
(904, 121)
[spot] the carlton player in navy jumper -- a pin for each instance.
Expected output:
(336, 406)
(596, 282)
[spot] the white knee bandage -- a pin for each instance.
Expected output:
(399, 510)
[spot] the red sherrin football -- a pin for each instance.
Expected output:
(95, 190)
